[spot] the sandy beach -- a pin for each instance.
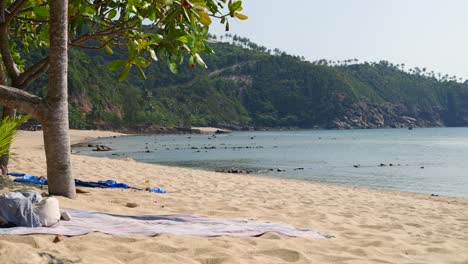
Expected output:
(370, 226)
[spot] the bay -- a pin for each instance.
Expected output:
(422, 160)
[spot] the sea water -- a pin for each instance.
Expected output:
(429, 160)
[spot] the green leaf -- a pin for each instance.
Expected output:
(140, 70)
(172, 66)
(204, 18)
(109, 50)
(234, 6)
(183, 39)
(124, 74)
(112, 14)
(116, 65)
(141, 62)
(89, 10)
(241, 16)
(41, 12)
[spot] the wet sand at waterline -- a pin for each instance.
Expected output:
(370, 226)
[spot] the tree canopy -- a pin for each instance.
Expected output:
(146, 30)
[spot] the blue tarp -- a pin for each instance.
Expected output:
(23, 177)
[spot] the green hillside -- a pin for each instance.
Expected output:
(247, 85)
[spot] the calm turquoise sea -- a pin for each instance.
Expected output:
(429, 160)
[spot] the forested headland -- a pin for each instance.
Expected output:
(250, 86)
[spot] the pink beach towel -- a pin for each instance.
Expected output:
(84, 222)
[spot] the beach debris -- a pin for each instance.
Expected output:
(78, 190)
(131, 205)
(65, 216)
(58, 238)
(434, 195)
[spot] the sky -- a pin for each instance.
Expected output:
(419, 33)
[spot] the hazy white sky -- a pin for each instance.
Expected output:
(423, 33)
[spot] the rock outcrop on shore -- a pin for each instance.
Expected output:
(365, 114)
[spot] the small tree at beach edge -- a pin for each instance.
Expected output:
(171, 31)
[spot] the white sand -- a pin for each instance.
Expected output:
(370, 226)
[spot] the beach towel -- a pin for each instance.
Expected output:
(84, 222)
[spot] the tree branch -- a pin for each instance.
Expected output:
(14, 9)
(5, 51)
(2, 11)
(21, 100)
(25, 84)
(39, 67)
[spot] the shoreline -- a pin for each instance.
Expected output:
(209, 130)
(370, 226)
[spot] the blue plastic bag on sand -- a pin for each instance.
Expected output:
(156, 190)
(31, 179)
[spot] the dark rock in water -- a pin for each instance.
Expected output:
(148, 151)
(222, 132)
(193, 148)
(90, 145)
(421, 167)
(356, 165)
(102, 148)
(235, 171)
(390, 164)
(280, 170)
(382, 165)
(212, 147)
(296, 169)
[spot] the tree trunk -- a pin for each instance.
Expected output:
(11, 113)
(55, 114)
(7, 112)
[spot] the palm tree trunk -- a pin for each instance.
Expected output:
(55, 114)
